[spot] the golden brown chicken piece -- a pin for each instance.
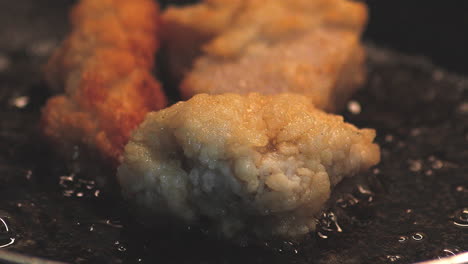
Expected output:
(305, 46)
(249, 165)
(103, 69)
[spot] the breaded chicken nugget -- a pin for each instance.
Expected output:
(103, 69)
(251, 165)
(304, 46)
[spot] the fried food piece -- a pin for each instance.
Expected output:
(253, 165)
(303, 46)
(104, 69)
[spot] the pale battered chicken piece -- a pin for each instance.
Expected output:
(253, 165)
(104, 69)
(304, 46)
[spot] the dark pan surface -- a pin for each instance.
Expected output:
(414, 212)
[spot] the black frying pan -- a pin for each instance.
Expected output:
(419, 190)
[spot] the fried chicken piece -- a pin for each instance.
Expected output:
(253, 165)
(304, 46)
(103, 69)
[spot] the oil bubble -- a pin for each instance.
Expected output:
(437, 164)
(461, 218)
(415, 165)
(347, 200)
(448, 252)
(114, 223)
(402, 239)
(20, 102)
(121, 248)
(354, 107)
(6, 238)
(393, 258)
(418, 236)
(365, 193)
(328, 224)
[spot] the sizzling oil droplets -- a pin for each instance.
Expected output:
(120, 246)
(327, 224)
(353, 203)
(417, 236)
(78, 187)
(393, 258)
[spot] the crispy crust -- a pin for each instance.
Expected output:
(248, 165)
(214, 45)
(103, 69)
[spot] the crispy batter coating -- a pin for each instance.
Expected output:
(272, 46)
(253, 165)
(104, 69)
